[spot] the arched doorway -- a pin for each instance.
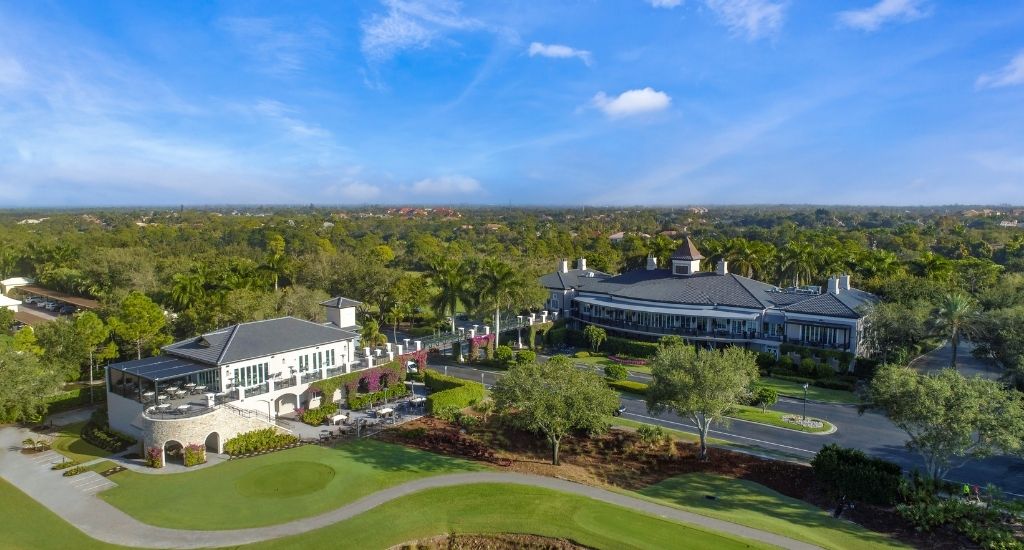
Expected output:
(213, 443)
(286, 403)
(174, 453)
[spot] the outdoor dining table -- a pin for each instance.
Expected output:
(182, 409)
(180, 393)
(417, 400)
(148, 394)
(385, 411)
(199, 389)
(161, 396)
(338, 418)
(190, 385)
(163, 407)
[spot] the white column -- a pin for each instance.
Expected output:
(472, 332)
(533, 318)
(400, 349)
(369, 361)
(391, 356)
(270, 385)
(544, 316)
(241, 393)
(487, 330)
(406, 343)
(419, 345)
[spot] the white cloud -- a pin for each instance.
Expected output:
(411, 24)
(632, 102)
(274, 44)
(445, 185)
(559, 51)
(872, 18)
(284, 115)
(1010, 75)
(754, 18)
(668, 4)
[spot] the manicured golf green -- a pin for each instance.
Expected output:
(500, 508)
(757, 506)
(70, 444)
(814, 393)
(774, 418)
(28, 525)
(276, 487)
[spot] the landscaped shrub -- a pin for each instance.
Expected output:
(449, 393)
(807, 367)
(628, 386)
(195, 454)
(864, 367)
(616, 372)
(786, 362)
(371, 380)
(616, 345)
(258, 441)
(155, 457)
(360, 401)
(855, 475)
(582, 354)
(504, 355)
(526, 356)
(97, 432)
(766, 360)
(74, 471)
(823, 370)
(835, 384)
(315, 417)
(556, 336)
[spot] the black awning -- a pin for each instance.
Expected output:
(164, 367)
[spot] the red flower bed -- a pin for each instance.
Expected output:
(628, 361)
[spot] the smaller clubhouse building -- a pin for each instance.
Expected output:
(212, 387)
(710, 307)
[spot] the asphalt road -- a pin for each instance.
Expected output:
(870, 432)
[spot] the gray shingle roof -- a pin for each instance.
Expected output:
(573, 279)
(257, 339)
(823, 304)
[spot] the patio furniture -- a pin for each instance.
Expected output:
(190, 385)
(182, 409)
(180, 393)
(198, 389)
(163, 407)
(338, 418)
(384, 412)
(161, 397)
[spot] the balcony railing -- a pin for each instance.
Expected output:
(311, 376)
(257, 390)
(284, 383)
(722, 334)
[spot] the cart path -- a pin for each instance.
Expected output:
(102, 521)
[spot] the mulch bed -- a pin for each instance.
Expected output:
(503, 541)
(111, 471)
(619, 459)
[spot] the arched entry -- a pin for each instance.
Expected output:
(286, 403)
(174, 453)
(213, 443)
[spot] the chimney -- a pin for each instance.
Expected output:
(844, 282)
(582, 264)
(833, 286)
(652, 262)
(563, 266)
(722, 267)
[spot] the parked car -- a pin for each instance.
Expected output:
(43, 304)
(52, 306)
(620, 410)
(68, 310)
(30, 300)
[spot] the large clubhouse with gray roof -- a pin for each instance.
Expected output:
(710, 307)
(236, 379)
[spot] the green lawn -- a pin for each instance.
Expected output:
(796, 389)
(69, 443)
(756, 506)
(478, 508)
(276, 487)
(773, 418)
(602, 362)
(498, 508)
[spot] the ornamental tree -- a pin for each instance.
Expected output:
(700, 386)
(950, 419)
(140, 322)
(765, 397)
(554, 399)
(595, 335)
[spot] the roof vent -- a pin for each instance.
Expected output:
(203, 342)
(590, 274)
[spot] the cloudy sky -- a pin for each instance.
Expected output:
(588, 102)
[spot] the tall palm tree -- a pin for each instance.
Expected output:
(449, 277)
(187, 290)
(956, 317)
(371, 335)
(797, 261)
(500, 285)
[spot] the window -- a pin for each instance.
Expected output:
(682, 269)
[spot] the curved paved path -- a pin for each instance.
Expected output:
(104, 522)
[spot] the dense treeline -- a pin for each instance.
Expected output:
(415, 270)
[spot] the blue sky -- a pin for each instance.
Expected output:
(589, 102)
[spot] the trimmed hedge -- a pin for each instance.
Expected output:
(615, 345)
(450, 394)
(195, 454)
(616, 373)
(628, 386)
(257, 441)
(393, 373)
(361, 401)
(855, 475)
(315, 417)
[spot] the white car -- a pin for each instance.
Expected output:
(31, 300)
(52, 306)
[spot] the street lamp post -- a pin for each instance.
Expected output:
(805, 400)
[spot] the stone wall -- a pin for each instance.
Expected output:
(226, 422)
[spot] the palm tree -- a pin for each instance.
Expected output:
(797, 261)
(187, 290)
(371, 335)
(956, 317)
(450, 279)
(500, 284)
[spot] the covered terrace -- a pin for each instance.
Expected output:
(167, 384)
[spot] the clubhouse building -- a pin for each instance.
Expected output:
(210, 388)
(710, 307)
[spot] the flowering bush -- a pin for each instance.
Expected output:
(195, 454)
(155, 457)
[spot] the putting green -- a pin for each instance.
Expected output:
(291, 479)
